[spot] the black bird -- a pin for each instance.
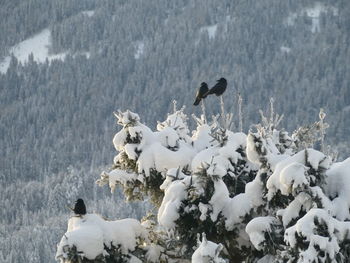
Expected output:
(219, 88)
(203, 89)
(79, 208)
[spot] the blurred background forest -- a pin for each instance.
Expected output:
(56, 121)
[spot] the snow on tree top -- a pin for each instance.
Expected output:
(265, 196)
(91, 235)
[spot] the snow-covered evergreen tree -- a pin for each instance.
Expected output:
(265, 196)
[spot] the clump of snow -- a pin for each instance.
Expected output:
(338, 188)
(168, 137)
(140, 49)
(38, 45)
(219, 199)
(285, 49)
(120, 176)
(173, 196)
(178, 122)
(153, 253)
(252, 153)
(4, 64)
(171, 175)
(217, 162)
(207, 251)
(201, 137)
(290, 172)
(160, 151)
(88, 13)
(210, 30)
(320, 232)
(293, 176)
(257, 229)
(254, 190)
(90, 234)
(203, 157)
(318, 9)
(235, 210)
(302, 202)
(161, 159)
(263, 149)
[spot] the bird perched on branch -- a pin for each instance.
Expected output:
(219, 88)
(79, 208)
(203, 89)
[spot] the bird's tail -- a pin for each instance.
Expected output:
(197, 101)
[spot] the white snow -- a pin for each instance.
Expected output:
(170, 149)
(168, 137)
(173, 196)
(288, 174)
(314, 12)
(285, 49)
(302, 202)
(318, 9)
(219, 199)
(236, 208)
(88, 13)
(293, 176)
(254, 190)
(203, 208)
(90, 233)
(120, 176)
(177, 121)
(202, 158)
(38, 45)
(207, 252)
(201, 137)
(153, 253)
(158, 157)
(4, 64)
(210, 30)
(338, 187)
(257, 228)
(307, 228)
(252, 153)
(171, 175)
(140, 49)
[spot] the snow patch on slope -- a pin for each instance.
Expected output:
(211, 30)
(314, 13)
(140, 49)
(285, 49)
(38, 45)
(88, 13)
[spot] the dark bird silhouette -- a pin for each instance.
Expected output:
(79, 208)
(219, 88)
(203, 89)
